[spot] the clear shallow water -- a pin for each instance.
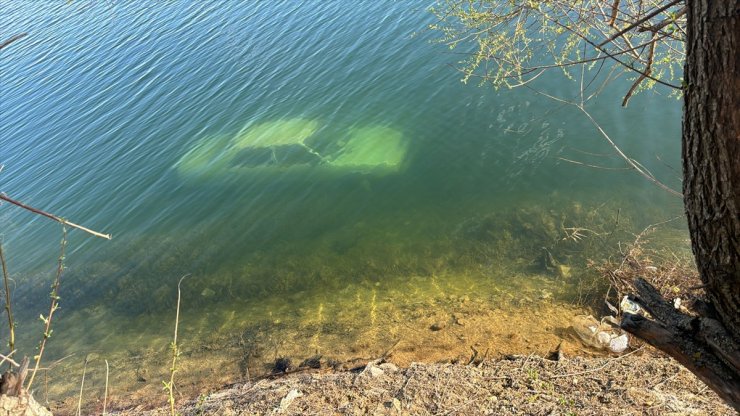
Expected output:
(101, 101)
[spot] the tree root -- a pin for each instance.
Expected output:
(700, 343)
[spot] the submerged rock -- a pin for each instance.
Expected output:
(563, 271)
(312, 362)
(282, 365)
(438, 326)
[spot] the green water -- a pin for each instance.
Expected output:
(101, 103)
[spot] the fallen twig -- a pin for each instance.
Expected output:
(593, 370)
(13, 39)
(8, 359)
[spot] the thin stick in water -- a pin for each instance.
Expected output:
(105, 396)
(82, 387)
(175, 353)
(52, 308)
(8, 308)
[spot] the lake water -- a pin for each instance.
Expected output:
(146, 122)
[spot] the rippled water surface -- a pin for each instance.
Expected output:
(317, 170)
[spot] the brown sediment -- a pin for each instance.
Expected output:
(432, 324)
(644, 383)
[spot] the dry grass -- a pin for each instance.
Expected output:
(640, 383)
(674, 275)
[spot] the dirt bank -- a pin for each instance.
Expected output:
(639, 383)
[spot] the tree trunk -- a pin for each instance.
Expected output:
(707, 345)
(711, 151)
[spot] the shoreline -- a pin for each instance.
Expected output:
(642, 382)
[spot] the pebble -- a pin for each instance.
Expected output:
(437, 326)
(397, 404)
(376, 371)
(458, 319)
(288, 399)
(390, 367)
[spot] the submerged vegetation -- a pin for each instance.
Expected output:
(553, 240)
(351, 292)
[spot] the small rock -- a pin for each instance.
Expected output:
(142, 375)
(282, 365)
(619, 344)
(437, 326)
(288, 399)
(335, 364)
(563, 271)
(376, 371)
(389, 367)
(312, 362)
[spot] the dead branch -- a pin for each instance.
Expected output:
(655, 28)
(8, 359)
(613, 17)
(60, 220)
(648, 71)
(8, 303)
(631, 162)
(13, 39)
(701, 344)
(589, 165)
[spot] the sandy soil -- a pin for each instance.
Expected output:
(638, 383)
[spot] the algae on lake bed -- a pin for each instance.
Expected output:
(426, 289)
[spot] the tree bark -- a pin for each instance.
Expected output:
(711, 151)
(707, 345)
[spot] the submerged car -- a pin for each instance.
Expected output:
(294, 145)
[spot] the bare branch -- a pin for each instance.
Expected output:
(575, 162)
(13, 39)
(637, 23)
(615, 9)
(648, 69)
(60, 220)
(664, 23)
